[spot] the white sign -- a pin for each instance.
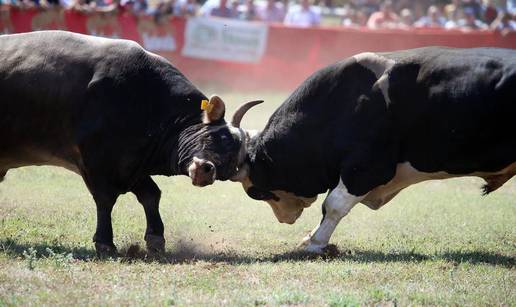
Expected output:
(225, 39)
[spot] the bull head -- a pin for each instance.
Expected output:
(287, 207)
(214, 149)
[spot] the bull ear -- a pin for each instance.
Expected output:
(214, 111)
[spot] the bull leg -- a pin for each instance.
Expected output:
(148, 194)
(103, 237)
(337, 204)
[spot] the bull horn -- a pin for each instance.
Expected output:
(241, 110)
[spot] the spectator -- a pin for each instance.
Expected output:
(419, 9)
(355, 18)
(222, 10)
(406, 19)
(6, 26)
(83, 6)
(272, 12)
(489, 11)
(433, 19)
(235, 9)
(109, 6)
(474, 6)
(140, 7)
(187, 8)
(348, 16)
(368, 6)
(399, 5)
(503, 23)
(470, 22)
(511, 7)
(250, 12)
(452, 11)
(303, 16)
(164, 9)
(385, 18)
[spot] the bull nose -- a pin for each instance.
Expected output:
(208, 167)
(202, 172)
(287, 221)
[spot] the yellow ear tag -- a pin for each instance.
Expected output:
(210, 107)
(204, 104)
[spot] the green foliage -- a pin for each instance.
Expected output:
(290, 297)
(59, 259)
(30, 257)
(342, 300)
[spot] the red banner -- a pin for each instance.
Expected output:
(290, 56)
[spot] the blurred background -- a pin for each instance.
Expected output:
(269, 45)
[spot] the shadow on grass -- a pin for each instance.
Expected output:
(14, 249)
(187, 252)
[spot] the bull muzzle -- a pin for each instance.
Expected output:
(202, 172)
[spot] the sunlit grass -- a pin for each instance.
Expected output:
(437, 243)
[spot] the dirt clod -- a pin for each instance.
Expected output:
(331, 251)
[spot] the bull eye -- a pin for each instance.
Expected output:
(259, 194)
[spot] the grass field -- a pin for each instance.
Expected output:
(437, 243)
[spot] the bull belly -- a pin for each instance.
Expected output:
(406, 175)
(38, 158)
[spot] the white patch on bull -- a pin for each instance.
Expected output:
(374, 62)
(251, 134)
(339, 201)
(289, 206)
(380, 66)
(337, 204)
(406, 175)
(242, 137)
(383, 85)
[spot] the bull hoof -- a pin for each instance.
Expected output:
(314, 249)
(155, 244)
(329, 250)
(105, 250)
(307, 245)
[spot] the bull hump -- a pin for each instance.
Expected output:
(380, 66)
(375, 63)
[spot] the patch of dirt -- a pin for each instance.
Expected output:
(331, 251)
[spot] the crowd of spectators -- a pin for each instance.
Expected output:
(454, 14)
(375, 14)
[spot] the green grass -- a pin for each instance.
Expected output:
(437, 243)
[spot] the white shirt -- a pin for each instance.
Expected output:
(297, 16)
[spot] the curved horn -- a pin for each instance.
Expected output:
(241, 110)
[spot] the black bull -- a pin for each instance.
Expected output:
(114, 114)
(369, 126)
